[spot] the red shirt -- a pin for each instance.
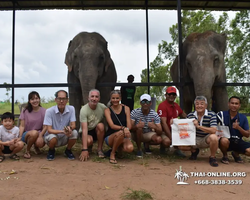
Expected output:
(169, 111)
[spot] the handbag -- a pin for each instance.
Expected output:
(222, 130)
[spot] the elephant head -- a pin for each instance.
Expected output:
(89, 63)
(203, 65)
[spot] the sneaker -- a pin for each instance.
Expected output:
(51, 155)
(213, 161)
(139, 154)
(147, 149)
(69, 154)
(194, 154)
(179, 153)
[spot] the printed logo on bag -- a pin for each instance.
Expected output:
(183, 130)
(181, 176)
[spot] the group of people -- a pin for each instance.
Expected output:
(117, 125)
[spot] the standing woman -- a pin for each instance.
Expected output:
(31, 127)
(119, 124)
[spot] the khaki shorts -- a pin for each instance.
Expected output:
(61, 140)
(146, 137)
(201, 142)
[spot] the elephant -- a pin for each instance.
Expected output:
(203, 65)
(89, 62)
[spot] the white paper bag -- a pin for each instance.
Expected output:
(223, 131)
(183, 132)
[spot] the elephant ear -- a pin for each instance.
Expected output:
(68, 58)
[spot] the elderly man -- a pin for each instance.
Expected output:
(238, 126)
(146, 124)
(61, 122)
(168, 110)
(205, 122)
(92, 124)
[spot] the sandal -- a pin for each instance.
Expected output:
(213, 161)
(225, 160)
(2, 158)
(237, 159)
(14, 157)
(27, 155)
(194, 155)
(113, 161)
(100, 154)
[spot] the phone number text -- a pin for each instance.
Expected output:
(218, 182)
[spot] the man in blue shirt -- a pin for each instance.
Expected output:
(238, 126)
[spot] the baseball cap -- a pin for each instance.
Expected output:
(145, 96)
(171, 90)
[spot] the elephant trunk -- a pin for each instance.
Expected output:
(87, 81)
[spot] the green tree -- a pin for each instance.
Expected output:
(192, 21)
(8, 89)
(239, 58)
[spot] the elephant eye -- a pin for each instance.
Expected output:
(216, 60)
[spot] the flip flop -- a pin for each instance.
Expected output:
(27, 155)
(2, 158)
(113, 161)
(237, 159)
(100, 154)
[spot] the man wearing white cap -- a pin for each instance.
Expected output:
(146, 124)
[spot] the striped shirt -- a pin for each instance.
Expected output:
(209, 119)
(137, 114)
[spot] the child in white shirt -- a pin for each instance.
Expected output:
(9, 141)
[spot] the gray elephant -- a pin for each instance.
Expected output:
(89, 63)
(203, 65)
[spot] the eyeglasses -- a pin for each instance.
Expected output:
(61, 99)
(145, 102)
(173, 94)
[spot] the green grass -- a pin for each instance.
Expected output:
(136, 195)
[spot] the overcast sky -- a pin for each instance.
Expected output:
(42, 39)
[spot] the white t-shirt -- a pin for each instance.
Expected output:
(8, 135)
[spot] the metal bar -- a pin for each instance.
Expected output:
(146, 3)
(13, 58)
(180, 57)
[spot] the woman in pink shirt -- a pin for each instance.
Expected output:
(31, 126)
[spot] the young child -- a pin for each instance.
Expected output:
(9, 141)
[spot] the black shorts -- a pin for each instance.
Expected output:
(240, 147)
(6, 150)
(93, 134)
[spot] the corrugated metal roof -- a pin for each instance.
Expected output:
(122, 5)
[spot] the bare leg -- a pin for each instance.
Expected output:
(71, 143)
(138, 138)
(100, 135)
(30, 139)
(224, 144)
(212, 140)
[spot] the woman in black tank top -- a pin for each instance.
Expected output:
(119, 125)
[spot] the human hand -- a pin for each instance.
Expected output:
(152, 125)
(11, 142)
(127, 133)
(196, 123)
(84, 156)
(67, 131)
(236, 124)
(140, 124)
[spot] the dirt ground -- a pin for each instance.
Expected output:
(61, 179)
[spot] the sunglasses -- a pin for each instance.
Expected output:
(145, 102)
(173, 94)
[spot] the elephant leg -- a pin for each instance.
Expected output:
(220, 97)
(105, 94)
(75, 97)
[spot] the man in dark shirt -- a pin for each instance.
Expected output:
(238, 126)
(128, 93)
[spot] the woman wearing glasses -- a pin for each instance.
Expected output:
(31, 128)
(119, 125)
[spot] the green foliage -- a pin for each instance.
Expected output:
(136, 195)
(8, 89)
(237, 55)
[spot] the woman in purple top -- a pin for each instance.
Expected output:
(31, 126)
